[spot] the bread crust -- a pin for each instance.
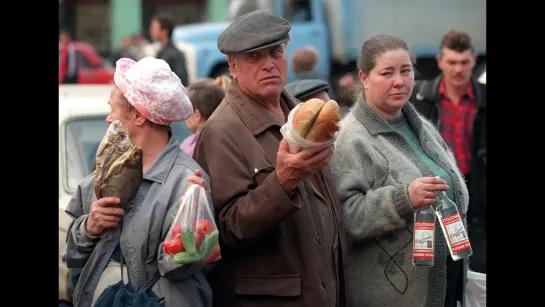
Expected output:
(326, 123)
(306, 114)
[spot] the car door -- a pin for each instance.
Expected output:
(86, 74)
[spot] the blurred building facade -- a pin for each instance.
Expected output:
(103, 23)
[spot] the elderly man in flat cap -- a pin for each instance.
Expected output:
(281, 235)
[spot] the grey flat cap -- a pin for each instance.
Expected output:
(301, 89)
(253, 31)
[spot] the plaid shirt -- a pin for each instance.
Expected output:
(455, 124)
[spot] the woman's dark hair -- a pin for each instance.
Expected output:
(375, 47)
(205, 95)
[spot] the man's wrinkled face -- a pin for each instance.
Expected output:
(261, 73)
(457, 67)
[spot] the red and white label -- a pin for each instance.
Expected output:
(423, 239)
(456, 232)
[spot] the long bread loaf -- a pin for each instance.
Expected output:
(304, 117)
(326, 123)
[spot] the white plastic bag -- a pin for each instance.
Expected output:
(475, 293)
(295, 141)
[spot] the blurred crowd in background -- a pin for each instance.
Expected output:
(94, 34)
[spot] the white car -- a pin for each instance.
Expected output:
(82, 124)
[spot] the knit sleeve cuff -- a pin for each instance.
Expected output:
(401, 201)
(85, 237)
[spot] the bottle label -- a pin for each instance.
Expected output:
(456, 232)
(424, 236)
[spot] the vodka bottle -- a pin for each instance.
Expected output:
(453, 227)
(424, 237)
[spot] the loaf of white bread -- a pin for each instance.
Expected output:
(316, 121)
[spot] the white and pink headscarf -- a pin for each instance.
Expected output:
(153, 89)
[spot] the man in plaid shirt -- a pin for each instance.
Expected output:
(450, 100)
(456, 103)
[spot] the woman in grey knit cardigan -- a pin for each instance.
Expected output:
(384, 167)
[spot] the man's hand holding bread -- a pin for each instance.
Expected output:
(314, 121)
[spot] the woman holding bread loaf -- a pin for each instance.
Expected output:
(386, 160)
(146, 98)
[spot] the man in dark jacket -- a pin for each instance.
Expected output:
(456, 103)
(161, 28)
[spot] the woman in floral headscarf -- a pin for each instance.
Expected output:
(146, 97)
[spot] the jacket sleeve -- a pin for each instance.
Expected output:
(249, 203)
(167, 267)
(79, 244)
(181, 70)
(176, 61)
(370, 208)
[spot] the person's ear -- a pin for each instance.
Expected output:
(199, 117)
(438, 58)
(232, 66)
(139, 120)
(363, 79)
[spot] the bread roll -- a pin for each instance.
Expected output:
(326, 123)
(304, 117)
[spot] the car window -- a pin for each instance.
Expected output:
(82, 137)
(297, 10)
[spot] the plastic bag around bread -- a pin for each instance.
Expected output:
(295, 141)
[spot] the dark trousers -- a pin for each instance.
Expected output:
(455, 285)
(455, 275)
(70, 80)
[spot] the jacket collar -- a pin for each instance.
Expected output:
(160, 167)
(430, 91)
(469, 92)
(168, 45)
(256, 117)
(375, 124)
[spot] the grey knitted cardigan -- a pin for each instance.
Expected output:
(371, 175)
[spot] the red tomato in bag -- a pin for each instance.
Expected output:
(203, 226)
(173, 245)
(176, 230)
(213, 255)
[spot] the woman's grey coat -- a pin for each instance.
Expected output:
(371, 170)
(145, 225)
